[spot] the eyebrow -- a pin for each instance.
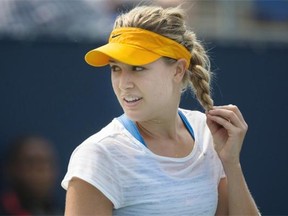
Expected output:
(115, 62)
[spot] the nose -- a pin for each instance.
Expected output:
(126, 80)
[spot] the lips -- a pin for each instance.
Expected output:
(131, 99)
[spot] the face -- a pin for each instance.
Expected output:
(35, 168)
(146, 91)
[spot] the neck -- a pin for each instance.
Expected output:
(162, 128)
(163, 125)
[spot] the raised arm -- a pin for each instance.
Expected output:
(228, 129)
(84, 199)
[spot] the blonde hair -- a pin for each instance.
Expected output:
(169, 22)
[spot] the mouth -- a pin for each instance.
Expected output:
(131, 99)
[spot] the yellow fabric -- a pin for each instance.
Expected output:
(136, 46)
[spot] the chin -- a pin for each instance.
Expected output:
(134, 115)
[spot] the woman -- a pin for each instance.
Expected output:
(159, 159)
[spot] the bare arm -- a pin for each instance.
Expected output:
(240, 199)
(222, 208)
(228, 129)
(84, 199)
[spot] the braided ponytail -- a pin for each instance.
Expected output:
(200, 75)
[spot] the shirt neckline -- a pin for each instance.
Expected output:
(132, 128)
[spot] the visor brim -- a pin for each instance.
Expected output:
(124, 53)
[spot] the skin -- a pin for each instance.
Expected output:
(228, 129)
(150, 95)
(155, 104)
(156, 110)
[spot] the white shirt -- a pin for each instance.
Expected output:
(139, 182)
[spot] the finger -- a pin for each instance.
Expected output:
(233, 108)
(219, 120)
(226, 115)
(213, 126)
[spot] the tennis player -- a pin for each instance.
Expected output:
(157, 158)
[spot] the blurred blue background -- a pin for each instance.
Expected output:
(47, 88)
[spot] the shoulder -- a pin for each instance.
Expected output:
(194, 116)
(197, 121)
(96, 154)
(95, 161)
(111, 143)
(204, 140)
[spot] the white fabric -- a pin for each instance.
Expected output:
(139, 182)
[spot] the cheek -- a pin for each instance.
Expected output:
(164, 87)
(114, 83)
(160, 92)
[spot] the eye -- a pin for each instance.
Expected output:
(137, 68)
(115, 68)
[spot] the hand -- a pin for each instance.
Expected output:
(228, 129)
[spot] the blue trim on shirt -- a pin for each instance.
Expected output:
(187, 124)
(132, 127)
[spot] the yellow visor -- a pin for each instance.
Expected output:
(136, 46)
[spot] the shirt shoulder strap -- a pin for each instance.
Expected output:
(131, 127)
(186, 123)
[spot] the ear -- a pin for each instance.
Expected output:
(180, 70)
